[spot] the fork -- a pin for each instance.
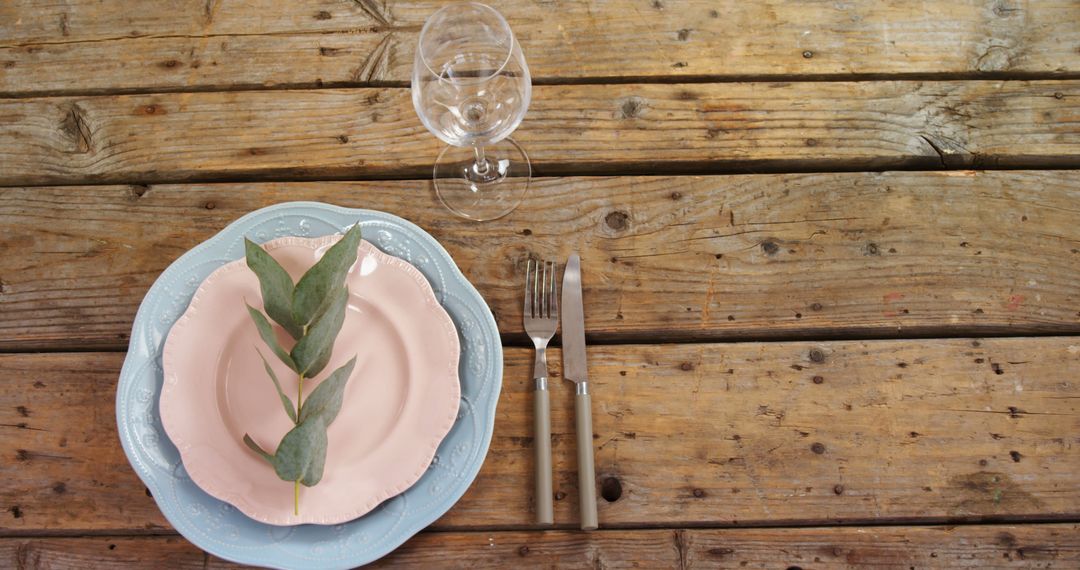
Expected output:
(541, 318)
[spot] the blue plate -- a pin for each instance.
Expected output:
(219, 528)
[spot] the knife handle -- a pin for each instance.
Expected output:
(586, 465)
(542, 439)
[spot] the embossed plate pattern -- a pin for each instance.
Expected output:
(221, 529)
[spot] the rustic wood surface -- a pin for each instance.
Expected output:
(334, 133)
(977, 547)
(783, 337)
(163, 45)
(850, 254)
(693, 434)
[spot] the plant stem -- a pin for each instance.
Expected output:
(299, 406)
(299, 397)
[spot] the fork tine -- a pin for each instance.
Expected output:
(543, 292)
(527, 310)
(536, 289)
(554, 290)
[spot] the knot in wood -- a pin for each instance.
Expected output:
(631, 107)
(617, 220)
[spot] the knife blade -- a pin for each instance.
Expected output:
(573, 323)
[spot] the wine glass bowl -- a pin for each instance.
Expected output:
(471, 88)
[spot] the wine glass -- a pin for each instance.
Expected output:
(471, 88)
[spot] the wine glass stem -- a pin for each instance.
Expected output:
(481, 160)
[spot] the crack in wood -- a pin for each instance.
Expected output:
(23, 426)
(75, 127)
(208, 12)
(806, 221)
(286, 34)
(950, 152)
(22, 555)
(376, 63)
(375, 10)
(994, 58)
(937, 149)
(681, 548)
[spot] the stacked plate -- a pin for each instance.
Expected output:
(415, 424)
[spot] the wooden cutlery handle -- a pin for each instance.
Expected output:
(586, 466)
(542, 440)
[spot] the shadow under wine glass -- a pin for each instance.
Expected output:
(471, 88)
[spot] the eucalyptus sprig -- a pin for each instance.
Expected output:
(311, 312)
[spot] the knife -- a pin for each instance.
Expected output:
(575, 370)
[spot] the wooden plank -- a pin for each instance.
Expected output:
(981, 547)
(102, 552)
(699, 435)
(81, 46)
(657, 128)
(779, 256)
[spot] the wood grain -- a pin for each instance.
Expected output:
(82, 46)
(620, 129)
(980, 547)
(672, 258)
(699, 435)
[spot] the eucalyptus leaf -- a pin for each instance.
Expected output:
(276, 286)
(312, 352)
(313, 290)
(285, 401)
(304, 444)
(314, 471)
(325, 399)
(255, 447)
(266, 331)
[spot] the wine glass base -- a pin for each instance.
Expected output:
(482, 193)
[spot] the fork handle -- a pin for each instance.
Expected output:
(542, 438)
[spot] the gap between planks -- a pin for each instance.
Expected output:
(556, 81)
(1033, 521)
(615, 339)
(565, 170)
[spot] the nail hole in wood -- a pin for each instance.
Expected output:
(611, 489)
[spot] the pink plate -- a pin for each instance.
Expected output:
(400, 402)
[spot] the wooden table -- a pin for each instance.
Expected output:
(832, 263)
